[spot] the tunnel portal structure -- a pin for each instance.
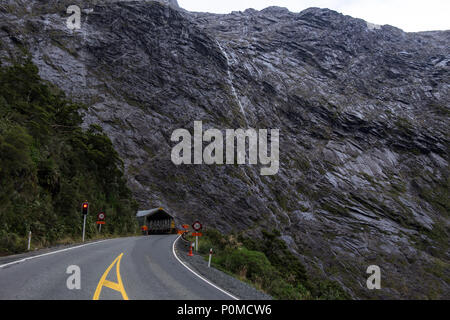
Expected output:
(157, 221)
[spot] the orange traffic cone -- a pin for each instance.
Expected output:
(190, 250)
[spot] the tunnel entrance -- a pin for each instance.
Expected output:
(156, 221)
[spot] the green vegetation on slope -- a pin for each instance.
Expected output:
(267, 264)
(49, 166)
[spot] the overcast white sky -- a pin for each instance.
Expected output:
(409, 15)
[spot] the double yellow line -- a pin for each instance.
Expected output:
(112, 285)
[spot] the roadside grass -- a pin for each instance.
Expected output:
(20, 244)
(267, 264)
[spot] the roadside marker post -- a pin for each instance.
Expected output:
(29, 240)
(210, 255)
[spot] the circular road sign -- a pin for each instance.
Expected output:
(101, 216)
(197, 226)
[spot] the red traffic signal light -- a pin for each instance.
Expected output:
(85, 207)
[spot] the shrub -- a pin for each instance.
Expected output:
(13, 242)
(268, 264)
(252, 265)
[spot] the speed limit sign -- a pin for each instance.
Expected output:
(197, 226)
(101, 216)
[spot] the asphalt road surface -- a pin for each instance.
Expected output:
(147, 270)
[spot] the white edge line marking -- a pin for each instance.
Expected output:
(207, 281)
(49, 253)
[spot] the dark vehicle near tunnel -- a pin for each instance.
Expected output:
(157, 221)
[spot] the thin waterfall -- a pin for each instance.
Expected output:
(230, 82)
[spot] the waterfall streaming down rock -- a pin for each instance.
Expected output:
(230, 82)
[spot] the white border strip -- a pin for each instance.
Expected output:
(50, 253)
(207, 281)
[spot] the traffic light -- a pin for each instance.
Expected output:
(85, 208)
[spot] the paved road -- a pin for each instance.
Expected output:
(148, 270)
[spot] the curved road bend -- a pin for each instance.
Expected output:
(148, 270)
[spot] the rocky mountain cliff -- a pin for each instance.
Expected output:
(363, 113)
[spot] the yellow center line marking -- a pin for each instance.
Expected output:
(112, 285)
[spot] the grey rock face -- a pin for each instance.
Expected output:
(363, 113)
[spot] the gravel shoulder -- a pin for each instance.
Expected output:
(232, 285)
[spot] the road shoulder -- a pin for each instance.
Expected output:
(44, 251)
(232, 285)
